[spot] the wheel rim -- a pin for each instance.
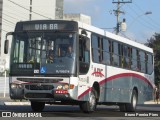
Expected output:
(134, 102)
(92, 101)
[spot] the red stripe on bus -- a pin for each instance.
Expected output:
(118, 76)
(84, 93)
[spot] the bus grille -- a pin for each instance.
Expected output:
(38, 95)
(39, 87)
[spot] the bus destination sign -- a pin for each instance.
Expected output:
(40, 27)
(48, 26)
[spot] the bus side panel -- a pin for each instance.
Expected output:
(119, 86)
(118, 90)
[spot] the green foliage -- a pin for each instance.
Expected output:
(154, 42)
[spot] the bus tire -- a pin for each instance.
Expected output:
(122, 107)
(131, 107)
(37, 106)
(90, 105)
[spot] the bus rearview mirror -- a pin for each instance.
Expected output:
(6, 45)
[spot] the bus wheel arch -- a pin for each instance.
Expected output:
(136, 89)
(96, 87)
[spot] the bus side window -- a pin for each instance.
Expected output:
(126, 56)
(95, 48)
(142, 61)
(150, 63)
(138, 61)
(115, 54)
(84, 56)
(134, 59)
(106, 52)
(146, 61)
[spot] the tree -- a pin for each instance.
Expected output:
(154, 42)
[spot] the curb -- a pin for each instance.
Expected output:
(151, 102)
(28, 103)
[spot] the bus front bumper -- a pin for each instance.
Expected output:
(52, 95)
(43, 92)
(47, 96)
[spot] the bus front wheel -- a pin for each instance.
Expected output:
(90, 105)
(37, 106)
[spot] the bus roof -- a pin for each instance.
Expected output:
(114, 36)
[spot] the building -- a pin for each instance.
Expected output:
(1, 3)
(78, 17)
(12, 11)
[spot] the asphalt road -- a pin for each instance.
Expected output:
(74, 111)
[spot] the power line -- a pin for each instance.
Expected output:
(29, 10)
(125, 36)
(9, 25)
(4, 30)
(150, 27)
(9, 21)
(151, 23)
(13, 13)
(10, 16)
(148, 16)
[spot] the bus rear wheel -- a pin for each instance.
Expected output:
(90, 105)
(131, 107)
(37, 106)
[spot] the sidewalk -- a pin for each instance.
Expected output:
(152, 102)
(8, 101)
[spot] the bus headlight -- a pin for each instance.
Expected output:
(13, 86)
(65, 87)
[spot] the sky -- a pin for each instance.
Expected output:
(140, 27)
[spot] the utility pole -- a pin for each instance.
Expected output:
(118, 12)
(30, 14)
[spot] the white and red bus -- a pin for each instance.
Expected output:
(102, 68)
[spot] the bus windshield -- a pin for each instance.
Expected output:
(44, 52)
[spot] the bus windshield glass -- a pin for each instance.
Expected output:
(44, 52)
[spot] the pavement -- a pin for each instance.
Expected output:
(152, 102)
(8, 101)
